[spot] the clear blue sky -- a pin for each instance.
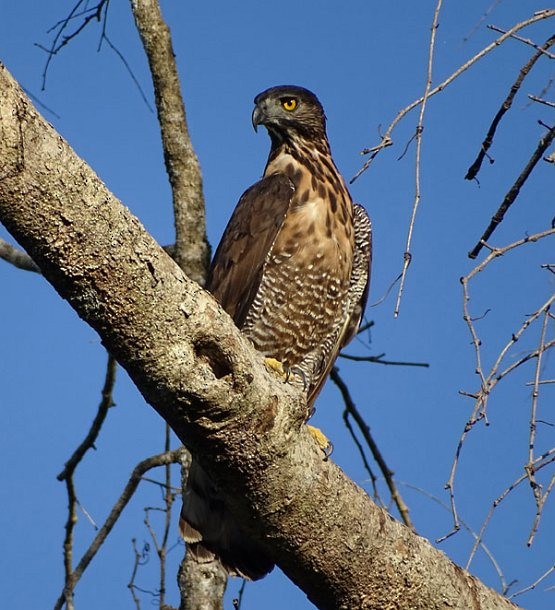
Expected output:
(365, 60)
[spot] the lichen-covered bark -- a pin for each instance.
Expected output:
(202, 584)
(194, 367)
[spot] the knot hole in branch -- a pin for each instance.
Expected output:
(211, 354)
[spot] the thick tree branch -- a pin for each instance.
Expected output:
(195, 368)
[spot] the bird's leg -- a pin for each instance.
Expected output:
(285, 373)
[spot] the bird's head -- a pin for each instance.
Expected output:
(289, 111)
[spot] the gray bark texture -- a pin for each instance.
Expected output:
(194, 367)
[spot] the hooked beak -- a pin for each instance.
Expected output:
(258, 117)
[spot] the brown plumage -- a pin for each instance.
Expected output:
(292, 270)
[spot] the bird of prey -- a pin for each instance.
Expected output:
(292, 270)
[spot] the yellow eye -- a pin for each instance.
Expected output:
(289, 103)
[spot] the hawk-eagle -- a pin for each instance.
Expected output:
(292, 270)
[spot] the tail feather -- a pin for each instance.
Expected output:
(211, 531)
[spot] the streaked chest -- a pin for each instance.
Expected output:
(318, 229)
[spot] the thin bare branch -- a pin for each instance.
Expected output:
(505, 106)
(90, 439)
(351, 409)
(480, 543)
(239, 599)
(496, 374)
(527, 41)
(139, 559)
(17, 257)
(161, 544)
(61, 39)
(539, 463)
(535, 583)
(162, 459)
(386, 139)
(379, 360)
(67, 476)
(407, 256)
(540, 100)
(483, 17)
(510, 197)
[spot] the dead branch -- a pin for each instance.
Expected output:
(17, 257)
(510, 197)
(505, 106)
(407, 255)
(496, 373)
(62, 39)
(171, 457)
(549, 571)
(540, 100)
(90, 439)
(387, 140)
(379, 359)
(351, 410)
(67, 476)
(527, 41)
(479, 543)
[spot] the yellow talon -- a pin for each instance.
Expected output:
(322, 440)
(277, 367)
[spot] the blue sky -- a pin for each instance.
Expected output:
(365, 60)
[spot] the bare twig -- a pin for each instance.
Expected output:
(540, 100)
(510, 197)
(386, 139)
(92, 435)
(161, 546)
(350, 409)
(61, 39)
(407, 256)
(139, 559)
(379, 360)
(496, 373)
(504, 585)
(507, 103)
(17, 257)
(535, 583)
(527, 41)
(539, 463)
(239, 599)
(162, 459)
(67, 476)
(483, 17)
(98, 13)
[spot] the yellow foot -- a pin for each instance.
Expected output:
(322, 440)
(277, 367)
(293, 374)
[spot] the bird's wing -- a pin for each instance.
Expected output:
(238, 264)
(354, 304)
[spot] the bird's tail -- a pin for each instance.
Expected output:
(211, 531)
